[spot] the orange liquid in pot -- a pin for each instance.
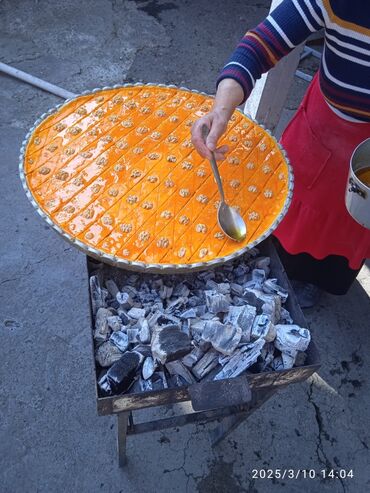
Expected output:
(364, 175)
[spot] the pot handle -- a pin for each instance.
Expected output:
(356, 189)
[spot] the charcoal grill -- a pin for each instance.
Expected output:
(229, 401)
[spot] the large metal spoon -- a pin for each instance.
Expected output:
(229, 220)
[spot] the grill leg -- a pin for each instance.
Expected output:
(122, 421)
(230, 423)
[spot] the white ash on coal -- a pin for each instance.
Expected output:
(152, 332)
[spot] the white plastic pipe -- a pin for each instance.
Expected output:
(35, 81)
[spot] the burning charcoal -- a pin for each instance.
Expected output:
(243, 316)
(148, 298)
(149, 367)
(190, 313)
(124, 317)
(272, 307)
(209, 316)
(263, 263)
(259, 277)
(133, 335)
(194, 301)
(163, 319)
(250, 297)
(181, 290)
(223, 288)
(112, 287)
(224, 338)
(158, 382)
(200, 310)
(288, 361)
(241, 360)
(217, 302)
(107, 354)
(102, 329)
(129, 290)
(125, 300)
(144, 331)
(119, 339)
(193, 357)
(145, 385)
(97, 297)
(170, 343)
(236, 289)
(291, 338)
(267, 355)
(237, 301)
(300, 359)
(277, 364)
(185, 326)
(204, 345)
(205, 364)
(285, 316)
(136, 313)
(211, 285)
(241, 270)
(270, 303)
(196, 329)
(165, 292)
(105, 385)
(263, 327)
(164, 379)
(157, 284)
(270, 286)
(177, 381)
(122, 374)
(114, 323)
(144, 349)
(175, 304)
(205, 275)
(177, 368)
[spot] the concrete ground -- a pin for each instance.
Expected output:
(51, 439)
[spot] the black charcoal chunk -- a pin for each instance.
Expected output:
(97, 294)
(120, 340)
(170, 343)
(112, 287)
(102, 329)
(217, 302)
(122, 374)
(114, 323)
(224, 338)
(205, 364)
(149, 367)
(107, 354)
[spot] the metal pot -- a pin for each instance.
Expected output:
(357, 193)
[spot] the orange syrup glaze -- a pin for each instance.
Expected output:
(117, 171)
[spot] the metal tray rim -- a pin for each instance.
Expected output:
(142, 266)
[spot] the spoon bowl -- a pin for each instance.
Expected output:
(229, 219)
(231, 222)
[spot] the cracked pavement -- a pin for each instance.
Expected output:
(51, 438)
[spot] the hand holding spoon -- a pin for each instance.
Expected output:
(229, 220)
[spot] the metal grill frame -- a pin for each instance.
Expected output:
(262, 386)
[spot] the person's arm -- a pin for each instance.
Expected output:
(260, 49)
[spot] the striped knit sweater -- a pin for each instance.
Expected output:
(345, 64)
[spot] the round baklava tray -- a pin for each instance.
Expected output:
(115, 173)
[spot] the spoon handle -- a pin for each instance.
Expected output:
(205, 132)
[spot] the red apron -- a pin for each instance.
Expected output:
(319, 145)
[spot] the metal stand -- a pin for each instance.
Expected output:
(230, 418)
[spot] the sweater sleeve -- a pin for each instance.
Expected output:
(287, 26)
